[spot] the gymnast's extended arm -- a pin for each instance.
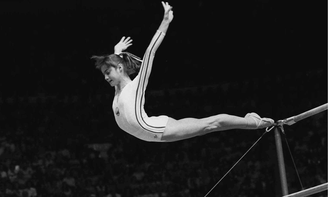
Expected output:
(168, 17)
(157, 39)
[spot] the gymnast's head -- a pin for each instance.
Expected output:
(115, 67)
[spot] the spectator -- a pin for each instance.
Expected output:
(57, 160)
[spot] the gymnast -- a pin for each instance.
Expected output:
(129, 99)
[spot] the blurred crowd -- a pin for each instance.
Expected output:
(58, 137)
(57, 145)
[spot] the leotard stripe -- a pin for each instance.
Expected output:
(142, 84)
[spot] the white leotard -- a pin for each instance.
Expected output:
(128, 106)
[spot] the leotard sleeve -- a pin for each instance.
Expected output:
(147, 63)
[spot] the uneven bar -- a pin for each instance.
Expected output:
(310, 191)
(292, 120)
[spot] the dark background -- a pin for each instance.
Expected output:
(229, 57)
(47, 45)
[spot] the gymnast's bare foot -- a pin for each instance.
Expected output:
(256, 122)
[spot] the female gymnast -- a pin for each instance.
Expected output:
(129, 99)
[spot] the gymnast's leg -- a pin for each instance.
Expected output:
(190, 127)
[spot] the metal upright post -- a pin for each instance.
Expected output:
(281, 162)
(279, 128)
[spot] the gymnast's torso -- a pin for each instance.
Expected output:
(128, 105)
(128, 108)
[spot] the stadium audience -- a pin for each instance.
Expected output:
(67, 146)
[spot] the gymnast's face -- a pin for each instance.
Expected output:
(112, 75)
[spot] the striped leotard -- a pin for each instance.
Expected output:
(128, 106)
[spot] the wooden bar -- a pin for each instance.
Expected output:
(292, 120)
(310, 191)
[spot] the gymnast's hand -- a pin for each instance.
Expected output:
(122, 45)
(168, 13)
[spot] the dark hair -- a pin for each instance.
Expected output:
(130, 62)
